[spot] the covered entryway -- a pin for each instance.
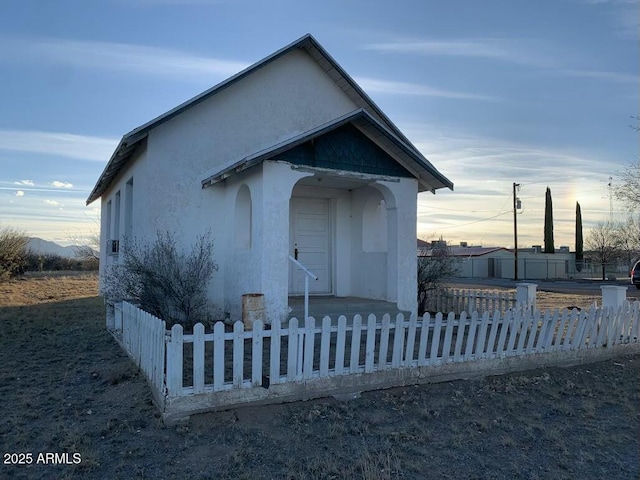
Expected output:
(310, 244)
(341, 200)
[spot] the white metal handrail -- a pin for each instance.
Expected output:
(307, 275)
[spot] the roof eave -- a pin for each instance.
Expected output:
(118, 159)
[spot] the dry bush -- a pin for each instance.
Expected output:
(169, 284)
(13, 251)
(433, 270)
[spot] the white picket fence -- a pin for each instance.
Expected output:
(469, 301)
(302, 353)
(143, 337)
(288, 354)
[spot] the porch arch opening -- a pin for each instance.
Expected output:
(376, 265)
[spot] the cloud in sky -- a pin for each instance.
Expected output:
(28, 183)
(524, 52)
(19, 193)
(59, 184)
(506, 50)
(114, 56)
(52, 203)
(601, 75)
(69, 145)
(500, 163)
(483, 170)
(374, 85)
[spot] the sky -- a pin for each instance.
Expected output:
(492, 92)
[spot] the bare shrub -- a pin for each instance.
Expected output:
(13, 252)
(167, 283)
(434, 267)
(87, 249)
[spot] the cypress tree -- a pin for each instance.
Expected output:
(579, 241)
(548, 224)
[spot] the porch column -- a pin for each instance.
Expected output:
(402, 248)
(278, 181)
(392, 254)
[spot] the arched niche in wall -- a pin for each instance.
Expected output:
(242, 219)
(374, 223)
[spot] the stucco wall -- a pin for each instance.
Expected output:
(108, 227)
(236, 260)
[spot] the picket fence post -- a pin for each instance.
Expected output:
(175, 357)
(369, 356)
(198, 358)
(274, 361)
(238, 354)
(325, 346)
(256, 353)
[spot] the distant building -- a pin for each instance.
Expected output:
(498, 262)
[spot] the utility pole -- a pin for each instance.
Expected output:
(515, 231)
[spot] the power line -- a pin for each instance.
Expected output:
(463, 210)
(476, 221)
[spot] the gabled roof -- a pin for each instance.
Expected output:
(309, 44)
(404, 153)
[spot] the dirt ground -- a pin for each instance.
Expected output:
(67, 388)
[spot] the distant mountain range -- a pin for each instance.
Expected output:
(46, 247)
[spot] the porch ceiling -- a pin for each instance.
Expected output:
(340, 180)
(332, 182)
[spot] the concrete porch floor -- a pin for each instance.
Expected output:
(319, 306)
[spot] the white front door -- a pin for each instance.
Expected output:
(310, 243)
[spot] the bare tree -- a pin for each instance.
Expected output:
(87, 247)
(628, 238)
(13, 252)
(628, 188)
(169, 284)
(435, 265)
(603, 243)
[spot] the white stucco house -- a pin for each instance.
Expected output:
(288, 157)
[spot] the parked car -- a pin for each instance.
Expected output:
(635, 275)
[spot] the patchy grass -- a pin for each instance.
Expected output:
(66, 386)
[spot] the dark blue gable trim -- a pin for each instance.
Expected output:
(345, 148)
